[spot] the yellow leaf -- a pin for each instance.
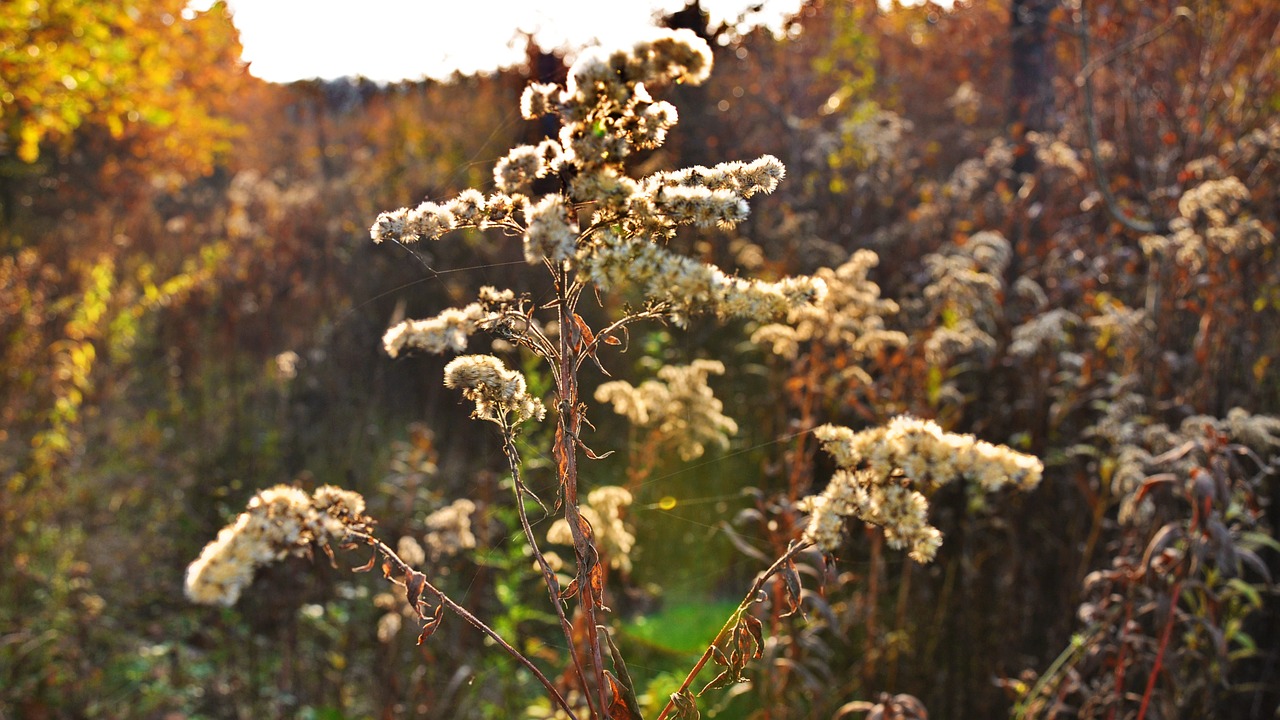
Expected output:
(29, 142)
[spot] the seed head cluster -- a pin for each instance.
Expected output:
(678, 406)
(501, 395)
(279, 522)
(884, 473)
(608, 226)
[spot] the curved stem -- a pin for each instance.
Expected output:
(402, 567)
(548, 575)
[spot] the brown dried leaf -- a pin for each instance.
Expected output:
(429, 627)
(570, 591)
(756, 631)
(791, 578)
(686, 706)
(414, 583)
(622, 706)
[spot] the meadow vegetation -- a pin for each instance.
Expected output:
(903, 363)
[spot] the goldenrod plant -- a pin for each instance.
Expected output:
(591, 231)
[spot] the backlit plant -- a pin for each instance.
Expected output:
(596, 232)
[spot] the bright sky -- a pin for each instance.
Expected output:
(391, 40)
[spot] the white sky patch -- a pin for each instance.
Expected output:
(389, 40)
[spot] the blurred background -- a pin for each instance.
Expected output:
(1073, 205)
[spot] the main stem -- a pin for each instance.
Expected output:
(567, 454)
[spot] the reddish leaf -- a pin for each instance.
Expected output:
(621, 705)
(429, 627)
(367, 566)
(414, 583)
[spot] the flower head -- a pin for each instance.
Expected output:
(501, 395)
(278, 522)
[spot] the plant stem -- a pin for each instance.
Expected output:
(750, 598)
(1164, 645)
(403, 567)
(548, 575)
(566, 452)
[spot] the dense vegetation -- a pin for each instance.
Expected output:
(1050, 226)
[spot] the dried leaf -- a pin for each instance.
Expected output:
(686, 706)
(414, 583)
(620, 666)
(622, 704)
(591, 454)
(756, 631)
(429, 627)
(570, 590)
(717, 656)
(724, 679)
(791, 578)
(367, 566)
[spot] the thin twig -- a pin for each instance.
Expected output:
(404, 568)
(747, 601)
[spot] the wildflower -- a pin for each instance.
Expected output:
(522, 165)
(550, 235)
(538, 99)
(850, 315)
(883, 470)
(678, 406)
(446, 332)
(500, 394)
(468, 208)
(449, 529)
(686, 286)
(279, 522)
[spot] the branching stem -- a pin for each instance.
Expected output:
(402, 567)
(747, 601)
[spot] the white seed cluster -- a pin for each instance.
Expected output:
(606, 113)
(550, 235)
(279, 522)
(884, 470)
(678, 406)
(1213, 220)
(851, 315)
(686, 286)
(449, 529)
(964, 294)
(1050, 329)
(446, 332)
(501, 395)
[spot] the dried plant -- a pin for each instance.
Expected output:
(597, 232)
